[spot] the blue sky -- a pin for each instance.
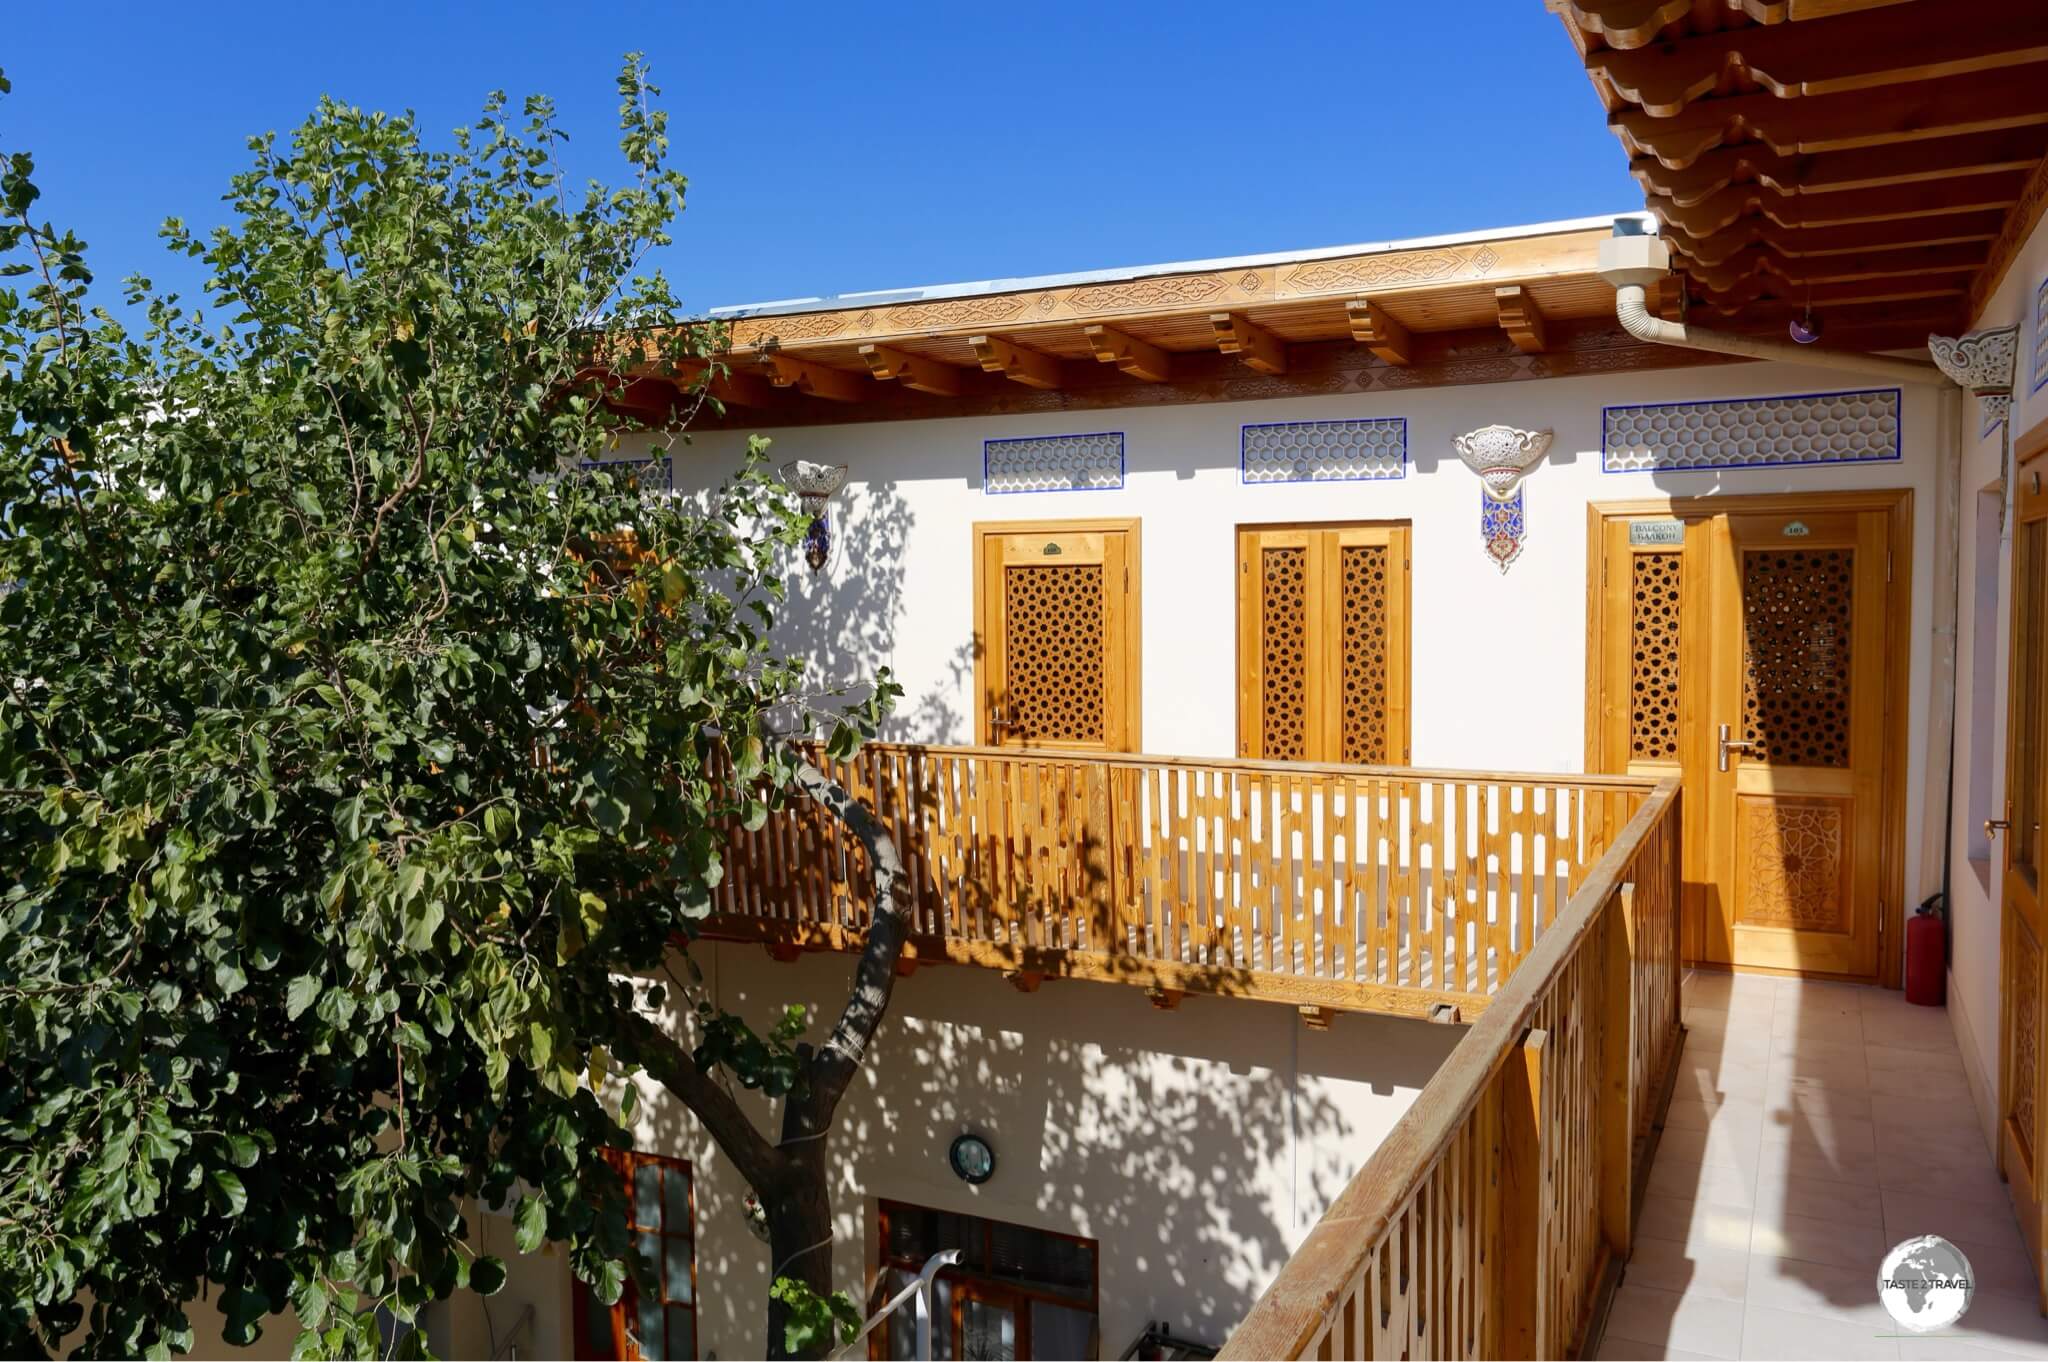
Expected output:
(863, 146)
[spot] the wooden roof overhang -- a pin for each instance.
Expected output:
(1879, 161)
(1492, 308)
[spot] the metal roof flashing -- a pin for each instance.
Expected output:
(876, 297)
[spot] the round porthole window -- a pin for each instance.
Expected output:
(972, 1159)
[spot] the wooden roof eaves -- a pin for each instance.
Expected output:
(1511, 260)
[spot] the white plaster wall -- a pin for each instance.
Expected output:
(1498, 660)
(1198, 1146)
(1974, 888)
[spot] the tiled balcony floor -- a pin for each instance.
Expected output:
(1813, 1126)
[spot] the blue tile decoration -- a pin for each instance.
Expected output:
(1369, 449)
(1502, 526)
(1752, 432)
(1053, 463)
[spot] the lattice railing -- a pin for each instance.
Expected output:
(1324, 885)
(1485, 1221)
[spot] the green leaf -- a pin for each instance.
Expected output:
(532, 1224)
(301, 994)
(228, 1195)
(486, 1276)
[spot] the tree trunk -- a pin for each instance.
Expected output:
(799, 1241)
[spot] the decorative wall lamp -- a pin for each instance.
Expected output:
(972, 1158)
(1501, 456)
(1982, 362)
(814, 484)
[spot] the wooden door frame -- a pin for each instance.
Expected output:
(1133, 659)
(1400, 655)
(1897, 503)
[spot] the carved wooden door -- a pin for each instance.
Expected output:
(1795, 740)
(1058, 636)
(2025, 853)
(1322, 643)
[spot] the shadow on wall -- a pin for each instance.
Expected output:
(1196, 1146)
(846, 619)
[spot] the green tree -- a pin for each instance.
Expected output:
(362, 764)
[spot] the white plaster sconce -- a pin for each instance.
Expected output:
(814, 484)
(1501, 456)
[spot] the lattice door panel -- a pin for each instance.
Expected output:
(1654, 656)
(1796, 608)
(1363, 677)
(1056, 620)
(1322, 643)
(1056, 623)
(1283, 647)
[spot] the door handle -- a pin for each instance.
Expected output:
(1994, 826)
(1729, 744)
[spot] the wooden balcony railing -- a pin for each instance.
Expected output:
(1485, 1221)
(1341, 887)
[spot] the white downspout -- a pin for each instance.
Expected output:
(1633, 263)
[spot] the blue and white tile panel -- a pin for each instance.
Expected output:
(1759, 432)
(1054, 463)
(1324, 451)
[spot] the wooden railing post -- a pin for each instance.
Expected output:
(1618, 1073)
(1525, 1213)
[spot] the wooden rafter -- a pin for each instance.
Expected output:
(1749, 291)
(1962, 194)
(1943, 229)
(1521, 318)
(1632, 23)
(1828, 56)
(1832, 172)
(1379, 333)
(1259, 348)
(912, 371)
(813, 379)
(733, 387)
(1835, 269)
(1139, 359)
(1949, 107)
(1033, 368)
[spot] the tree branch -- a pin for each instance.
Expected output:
(874, 977)
(672, 1065)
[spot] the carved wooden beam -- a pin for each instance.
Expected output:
(1632, 23)
(1831, 172)
(1748, 291)
(1032, 368)
(1139, 359)
(1828, 56)
(1520, 318)
(1379, 333)
(1259, 348)
(912, 371)
(1949, 107)
(813, 379)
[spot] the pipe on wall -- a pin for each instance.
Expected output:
(1633, 263)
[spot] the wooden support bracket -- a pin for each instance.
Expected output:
(1259, 348)
(1317, 1018)
(734, 387)
(1139, 359)
(1445, 1013)
(1025, 980)
(906, 965)
(784, 951)
(912, 371)
(1032, 368)
(814, 380)
(1379, 333)
(1520, 318)
(1165, 999)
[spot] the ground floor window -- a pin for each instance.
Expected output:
(660, 1326)
(1017, 1292)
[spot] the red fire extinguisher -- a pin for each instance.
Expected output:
(1926, 957)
